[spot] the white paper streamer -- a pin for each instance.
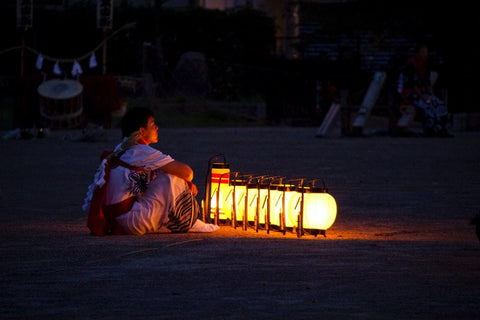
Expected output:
(93, 61)
(76, 69)
(98, 181)
(56, 69)
(39, 62)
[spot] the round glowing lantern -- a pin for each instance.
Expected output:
(318, 208)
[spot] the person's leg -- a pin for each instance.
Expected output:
(150, 212)
(184, 216)
(167, 205)
(184, 213)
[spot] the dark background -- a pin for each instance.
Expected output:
(239, 46)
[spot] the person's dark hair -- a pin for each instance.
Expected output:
(134, 119)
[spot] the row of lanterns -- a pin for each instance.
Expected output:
(268, 202)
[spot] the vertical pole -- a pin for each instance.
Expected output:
(217, 208)
(282, 214)
(245, 211)
(104, 51)
(257, 210)
(234, 203)
(234, 212)
(208, 186)
(300, 215)
(22, 55)
(267, 218)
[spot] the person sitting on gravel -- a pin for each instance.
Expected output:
(137, 189)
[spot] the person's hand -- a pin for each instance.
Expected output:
(192, 187)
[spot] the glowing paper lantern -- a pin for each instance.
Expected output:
(267, 198)
(234, 200)
(252, 201)
(319, 208)
(282, 196)
(263, 202)
(219, 187)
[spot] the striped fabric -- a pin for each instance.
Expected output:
(185, 213)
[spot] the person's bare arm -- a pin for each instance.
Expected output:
(179, 169)
(183, 171)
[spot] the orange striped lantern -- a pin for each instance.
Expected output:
(219, 189)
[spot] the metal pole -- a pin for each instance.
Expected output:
(267, 218)
(234, 204)
(234, 212)
(245, 211)
(282, 214)
(300, 216)
(257, 210)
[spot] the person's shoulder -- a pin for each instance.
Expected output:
(143, 148)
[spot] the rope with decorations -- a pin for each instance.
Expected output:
(71, 60)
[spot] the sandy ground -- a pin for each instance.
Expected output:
(400, 248)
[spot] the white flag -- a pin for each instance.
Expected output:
(39, 62)
(56, 69)
(93, 61)
(76, 69)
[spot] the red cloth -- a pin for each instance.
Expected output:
(101, 219)
(100, 93)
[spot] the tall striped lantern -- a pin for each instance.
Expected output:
(217, 189)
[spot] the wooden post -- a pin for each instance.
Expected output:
(104, 67)
(22, 56)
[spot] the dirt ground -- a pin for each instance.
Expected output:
(400, 248)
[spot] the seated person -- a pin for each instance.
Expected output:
(138, 189)
(416, 90)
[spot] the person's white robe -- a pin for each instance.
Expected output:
(150, 212)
